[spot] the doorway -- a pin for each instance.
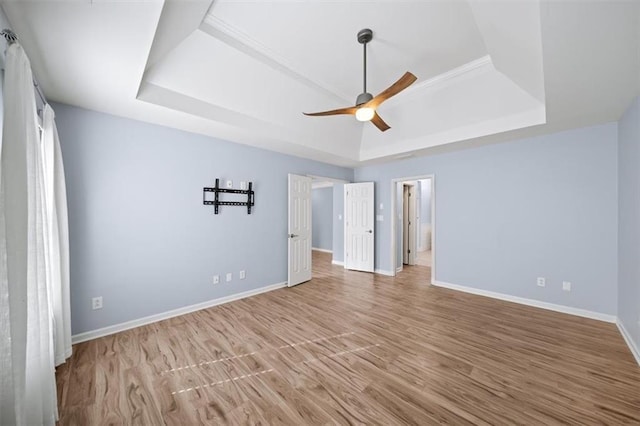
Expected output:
(327, 207)
(412, 227)
(310, 229)
(322, 195)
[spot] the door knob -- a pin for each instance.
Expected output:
(370, 231)
(292, 235)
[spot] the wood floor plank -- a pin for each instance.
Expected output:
(63, 373)
(81, 384)
(356, 348)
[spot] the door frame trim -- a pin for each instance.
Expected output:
(326, 179)
(394, 214)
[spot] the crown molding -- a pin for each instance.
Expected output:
(443, 80)
(482, 62)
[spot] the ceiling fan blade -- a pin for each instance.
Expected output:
(405, 81)
(379, 123)
(348, 110)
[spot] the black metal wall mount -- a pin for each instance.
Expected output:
(216, 200)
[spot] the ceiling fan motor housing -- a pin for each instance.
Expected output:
(363, 98)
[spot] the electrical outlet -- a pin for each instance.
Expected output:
(229, 276)
(339, 217)
(96, 303)
(243, 275)
(566, 285)
(243, 185)
(229, 184)
(542, 282)
(216, 279)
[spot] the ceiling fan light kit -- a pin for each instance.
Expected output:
(365, 114)
(366, 104)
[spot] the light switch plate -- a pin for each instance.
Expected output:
(379, 218)
(229, 276)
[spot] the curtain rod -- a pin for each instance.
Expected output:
(11, 38)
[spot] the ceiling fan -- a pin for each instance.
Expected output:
(366, 104)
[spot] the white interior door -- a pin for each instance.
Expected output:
(299, 236)
(410, 224)
(359, 226)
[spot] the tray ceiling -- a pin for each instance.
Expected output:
(246, 70)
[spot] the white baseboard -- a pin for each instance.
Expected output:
(398, 269)
(101, 332)
(627, 338)
(530, 302)
(322, 250)
(337, 262)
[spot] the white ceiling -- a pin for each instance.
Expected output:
(246, 70)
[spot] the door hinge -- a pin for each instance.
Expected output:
(409, 251)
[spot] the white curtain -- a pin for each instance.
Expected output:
(27, 373)
(58, 236)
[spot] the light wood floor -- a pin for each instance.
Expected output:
(350, 348)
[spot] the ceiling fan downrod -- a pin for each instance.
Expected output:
(364, 37)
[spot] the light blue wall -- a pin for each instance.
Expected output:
(511, 212)
(338, 223)
(507, 213)
(629, 221)
(322, 224)
(139, 233)
(425, 201)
